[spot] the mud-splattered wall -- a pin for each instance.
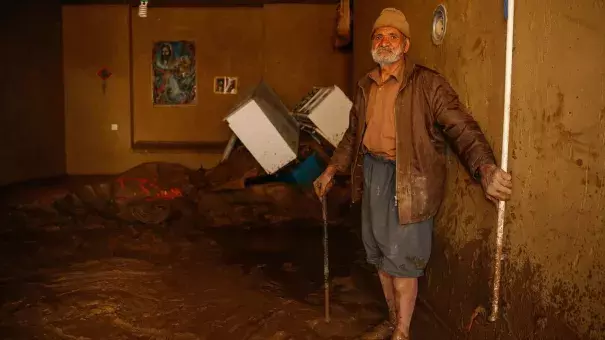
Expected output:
(555, 260)
(274, 42)
(557, 226)
(32, 144)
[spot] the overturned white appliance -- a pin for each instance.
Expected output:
(264, 125)
(326, 110)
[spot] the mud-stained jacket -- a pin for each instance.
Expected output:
(428, 114)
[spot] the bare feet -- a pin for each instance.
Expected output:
(398, 335)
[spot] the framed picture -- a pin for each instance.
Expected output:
(174, 73)
(225, 85)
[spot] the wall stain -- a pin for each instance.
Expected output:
(477, 44)
(560, 104)
(581, 22)
(598, 182)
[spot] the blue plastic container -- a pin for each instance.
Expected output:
(304, 173)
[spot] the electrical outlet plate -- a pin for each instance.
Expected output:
(114, 127)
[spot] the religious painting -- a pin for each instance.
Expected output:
(174, 76)
(225, 85)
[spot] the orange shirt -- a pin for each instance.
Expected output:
(379, 137)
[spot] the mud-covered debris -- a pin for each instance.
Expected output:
(263, 204)
(235, 192)
(241, 168)
(143, 194)
(230, 173)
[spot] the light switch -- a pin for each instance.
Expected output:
(114, 127)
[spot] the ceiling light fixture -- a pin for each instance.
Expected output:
(143, 9)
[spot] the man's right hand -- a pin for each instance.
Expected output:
(324, 182)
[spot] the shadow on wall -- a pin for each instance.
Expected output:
(32, 143)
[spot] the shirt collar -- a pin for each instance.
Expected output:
(397, 74)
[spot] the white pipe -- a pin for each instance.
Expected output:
(504, 163)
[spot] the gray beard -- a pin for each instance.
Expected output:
(389, 59)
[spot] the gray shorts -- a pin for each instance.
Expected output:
(399, 250)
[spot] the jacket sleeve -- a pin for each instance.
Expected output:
(343, 155)
(459, 127)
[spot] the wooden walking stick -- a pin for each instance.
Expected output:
(324, 208)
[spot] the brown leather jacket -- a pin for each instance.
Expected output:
(428, 114)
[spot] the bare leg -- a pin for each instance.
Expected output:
(388, 289)
(384, 330)
(406, 290)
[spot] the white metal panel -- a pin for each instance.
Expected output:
(331, 115)
(328, 109)
(266, 129)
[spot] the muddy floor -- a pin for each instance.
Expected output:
(97, 278)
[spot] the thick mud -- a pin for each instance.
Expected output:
(97, 278)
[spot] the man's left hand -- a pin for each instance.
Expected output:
(497, 184)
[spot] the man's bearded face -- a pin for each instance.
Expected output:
(386, 55)
(388, 46)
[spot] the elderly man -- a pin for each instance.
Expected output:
(402, 117)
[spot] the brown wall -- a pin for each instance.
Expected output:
(230, 41)
(557, 224)
(553, 284)
(32, 143)
(299, 53)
